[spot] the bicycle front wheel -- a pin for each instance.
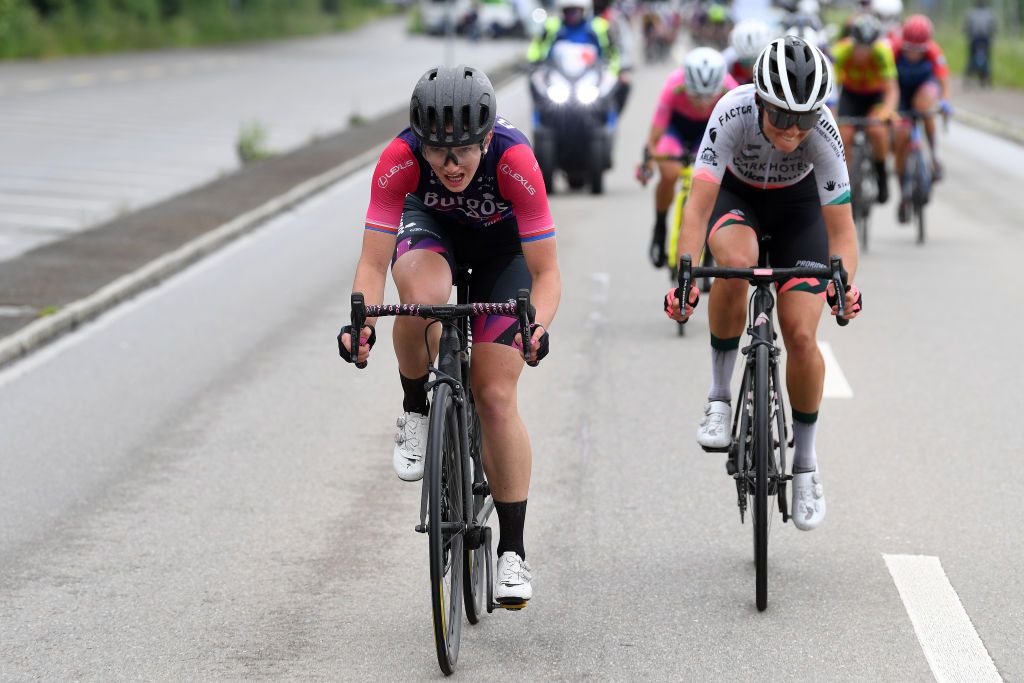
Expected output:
(762, 452)
(445, 525)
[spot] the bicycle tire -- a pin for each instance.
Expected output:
(444, 510)
(919, 195)
(762, 451)
(475, 566)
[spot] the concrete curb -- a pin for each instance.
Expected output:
(68, 318)
(990, 125)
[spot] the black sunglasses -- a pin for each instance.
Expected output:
(783, 119)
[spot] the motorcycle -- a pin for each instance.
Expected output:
(574, 116)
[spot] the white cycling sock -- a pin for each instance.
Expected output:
(722, 364)
(804, 457)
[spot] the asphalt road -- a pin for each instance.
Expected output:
(85, 140)
(196, 487)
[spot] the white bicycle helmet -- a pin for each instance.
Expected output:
(808, 7)
(704, 70)
(587, 5)
(793, 75)
(887, 10)
(806, 33)
(749, 37)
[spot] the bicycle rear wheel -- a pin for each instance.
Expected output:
(445, 525)
(762, 453)
(475, 568)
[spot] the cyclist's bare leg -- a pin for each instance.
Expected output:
(668, 173)
(508, 460)
(902, 135)
(926, 99)
(422, 277)
(799, 314)
(878, 136)
(733, 246)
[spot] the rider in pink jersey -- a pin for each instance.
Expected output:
(461, 188)
(686, 103)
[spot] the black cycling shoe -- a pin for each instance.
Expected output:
(656, 251)
(657, 254)
(903, 214)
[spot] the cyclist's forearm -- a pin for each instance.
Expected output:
(372, 269)
(892, 96)
(842, 236)
(655, 135)
(545, 294)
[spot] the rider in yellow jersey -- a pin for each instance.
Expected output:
(866, 70)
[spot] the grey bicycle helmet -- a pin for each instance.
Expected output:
(452, 106)
(865, 29)
(793, 75)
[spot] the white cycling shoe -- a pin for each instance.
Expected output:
(410, 445)
(713, 432)
(808, 508)
(512, 586)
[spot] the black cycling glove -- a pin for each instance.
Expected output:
(543, 345)
(674, 294)
(858, 303)
(345, 353)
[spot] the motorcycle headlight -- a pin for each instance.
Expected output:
(558, 93)
(587, 93)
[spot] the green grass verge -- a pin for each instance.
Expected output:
(78, 27)
(1007, 56)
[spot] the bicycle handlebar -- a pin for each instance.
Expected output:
(835, 272)
(521, 309)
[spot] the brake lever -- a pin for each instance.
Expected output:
(358, 321)
(523, 313)
(839, 282)
(685, 280)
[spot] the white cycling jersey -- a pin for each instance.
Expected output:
(733, 140)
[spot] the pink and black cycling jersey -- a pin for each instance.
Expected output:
(734, 141)
(508, 184)
(675, 102)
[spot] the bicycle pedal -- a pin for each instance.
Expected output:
(481, 489)
(710, 449)
(513, 606)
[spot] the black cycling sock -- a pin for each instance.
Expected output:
(415, 400)
(511, 519)
(660, 218)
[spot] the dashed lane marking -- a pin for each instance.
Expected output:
(836, 385)
(951, 645)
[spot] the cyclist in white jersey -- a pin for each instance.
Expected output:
(772, 163)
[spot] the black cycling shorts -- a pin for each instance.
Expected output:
(791, 216)
(858, 104)
(494, 253)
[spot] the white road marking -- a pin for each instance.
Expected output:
(951, 645)
(120, 75)
(836, 385)
(82, 80)
(37, 84)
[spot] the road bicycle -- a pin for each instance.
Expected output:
(863, 181)
(917, 179)
(757, 453)
(456, 502)
(676, 226)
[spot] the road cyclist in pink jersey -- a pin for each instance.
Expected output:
(687, 99)
(460, 187)
(771, 165)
